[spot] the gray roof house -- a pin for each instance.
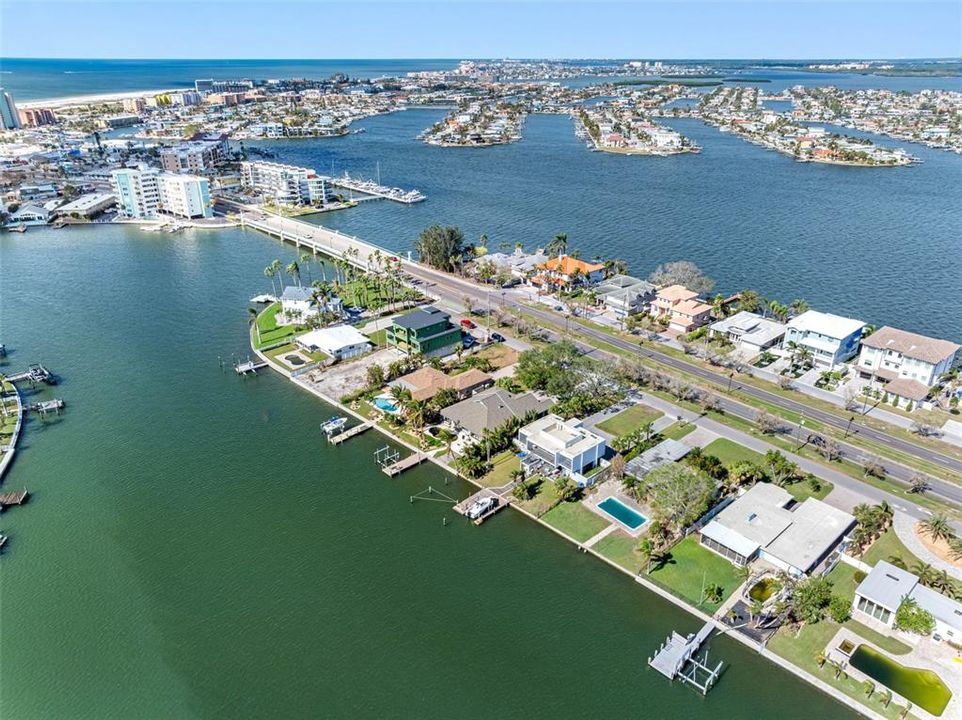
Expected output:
(492, 408)
(749, 332)
(882, 591)
(765, 523)
(625, 295)
(667, 451)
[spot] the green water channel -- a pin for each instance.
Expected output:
(193, 549)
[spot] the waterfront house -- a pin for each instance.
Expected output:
(565, 271)
(29, 214)
(625, 295)
(689, 315)
(490, 409)
(425, 331)
(552, 444)
(667, 298)
(665, 452)
(831, 339)
(297, 303)
(750, 333)
(907, 364)
(879, 595)
(426, 382)
(765, 523)
(338, 341)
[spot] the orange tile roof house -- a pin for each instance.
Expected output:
(425, 383)
(682, 307)
(566, 270)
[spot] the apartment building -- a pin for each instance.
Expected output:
(286, 184)
(147, 193)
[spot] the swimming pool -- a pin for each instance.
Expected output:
(920, 686)
(385, 404)
(622, 513)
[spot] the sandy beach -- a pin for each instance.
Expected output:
(98, 98)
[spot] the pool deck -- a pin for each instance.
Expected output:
(612, 489)
(925, 654)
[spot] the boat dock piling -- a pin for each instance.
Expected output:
(676, 659)
(35, 373)
(349, 433)
(249, 367)
(399, 466)
(45, 406)
(17, 497)
(373, 189)
(465, 505)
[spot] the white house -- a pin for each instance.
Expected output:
(763, 523)
(831, 339)
(750, 333)
(625, 295)
(30, 214)
(338, 341)
(879, 595)
(907, 362)
(561, 445)
(298, 302)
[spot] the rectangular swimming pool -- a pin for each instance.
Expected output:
(622, 513)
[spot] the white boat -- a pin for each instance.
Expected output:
(334, 424)
(263, 299)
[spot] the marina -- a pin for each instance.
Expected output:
(375, 189)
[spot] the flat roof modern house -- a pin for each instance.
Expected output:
(831, 339)
(427, 331)
(906, 363)
(762, 524)
(562, 445)
(750, 333)
(338, 341)
(882, 591)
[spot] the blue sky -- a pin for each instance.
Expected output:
(486, 28)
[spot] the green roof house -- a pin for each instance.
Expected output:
(427, 331)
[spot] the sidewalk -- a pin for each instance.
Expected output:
(905, 529)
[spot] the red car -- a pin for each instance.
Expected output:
(467, 324)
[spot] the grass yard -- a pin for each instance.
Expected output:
(277, 353)
(803, 490)
(378, 338)
(621, 548)
(503, 463)
(887, 547)
(545, 499)
(677, 430)
(576, 520)
(629, 420)
(500, 355)
(729, 451)
(690, 568)
(269, 332)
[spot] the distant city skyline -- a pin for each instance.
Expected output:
(779, 29)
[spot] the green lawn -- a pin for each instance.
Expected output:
(629, 420)
(545, 499)
(269, 331)
(887, 547)
(379, 338)
(621, 548)
(803, 489)
(802, 649)
(691, 567)
(276, 353)
(729, 451)
(677, 430)
(503, 463)
(575, 520)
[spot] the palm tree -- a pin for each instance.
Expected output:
(416, 411)
(401, 395)
(306, 259)
(253, 321)
(294, 271)
(558, 245)
(938, 527)
(749, 301)
(925, 572)
(799, 306)
(270, 272)
(648, 551)
(320, 261)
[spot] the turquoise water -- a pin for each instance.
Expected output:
(193, 547)
(385, 404)
(622, 513)
(921, 687)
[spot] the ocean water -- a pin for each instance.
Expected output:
(34, 79)
(883, 245)
(194, 549)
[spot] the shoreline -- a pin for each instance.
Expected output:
(720, 627)
(71, 100)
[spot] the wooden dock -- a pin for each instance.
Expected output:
(465, 505)
(13, 498)
(406, 464)
(676, 659)
(349, 433)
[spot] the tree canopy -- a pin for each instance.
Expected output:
(441, 247)
(682, 272)
(679, 494)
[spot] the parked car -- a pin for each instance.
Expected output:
(497, 337)
(468, 324)
(468, 341)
